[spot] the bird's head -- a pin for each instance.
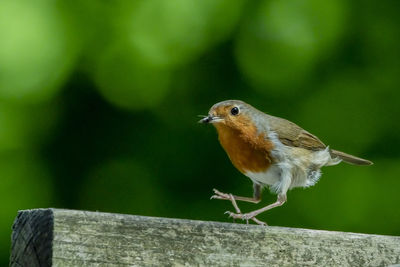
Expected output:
(235, 114)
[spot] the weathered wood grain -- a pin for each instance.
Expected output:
(81, 238)
(31, 238)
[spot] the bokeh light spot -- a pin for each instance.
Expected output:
(36, 50)
(278, 46)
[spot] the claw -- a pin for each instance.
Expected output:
(238, 214)
(257, 221)
(220, 195)
(229, 215)
(246, 217)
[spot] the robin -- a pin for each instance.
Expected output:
(271, 151)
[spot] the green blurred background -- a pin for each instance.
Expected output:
(99, 103)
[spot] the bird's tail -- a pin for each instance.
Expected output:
(350, 158)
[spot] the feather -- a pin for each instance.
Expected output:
(291, 134)
(350, 158)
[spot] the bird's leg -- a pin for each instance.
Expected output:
(255, 199)
(225, 196)
(234, 204)
(284, 184)
(251, 215)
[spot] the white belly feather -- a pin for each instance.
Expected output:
(268, 177)
(294, 170)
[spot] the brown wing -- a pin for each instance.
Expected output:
(293, 135)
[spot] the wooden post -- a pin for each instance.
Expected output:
(45, 237)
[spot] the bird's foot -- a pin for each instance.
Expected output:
(238, 214)
(246, 217)
(224, 196)
(220, 195)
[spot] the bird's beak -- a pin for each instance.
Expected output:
(210, 119)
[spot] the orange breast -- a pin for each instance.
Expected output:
(246, 150)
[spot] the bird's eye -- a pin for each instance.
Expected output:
(235, 111)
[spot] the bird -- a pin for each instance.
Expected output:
(273, 152)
